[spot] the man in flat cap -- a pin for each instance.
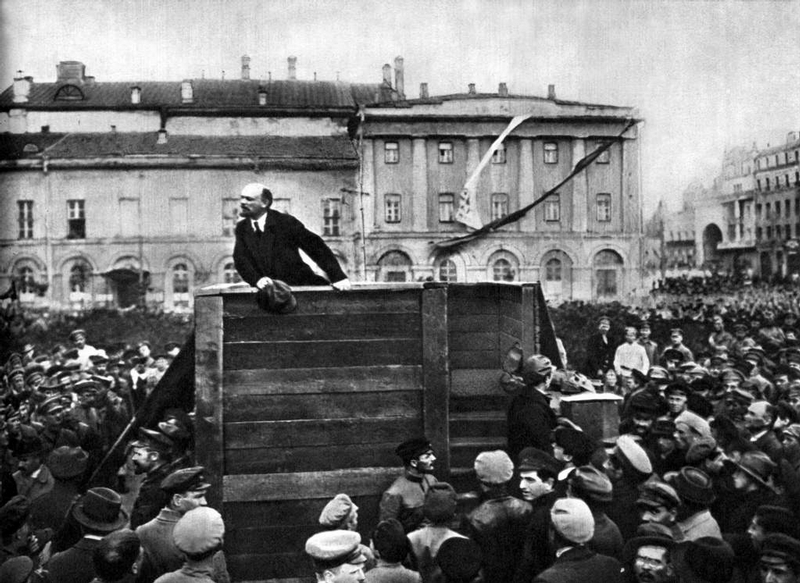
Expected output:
(780, 559)
(186, 490)
(658, 503)
(151, 456)
(268, 245)
(628, 466)
(341, 513)
(199, 535)
(647, 558)
(336, 556)
(404, 499)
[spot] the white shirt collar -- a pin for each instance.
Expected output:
(262, 221)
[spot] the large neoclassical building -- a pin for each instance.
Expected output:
(114, 192)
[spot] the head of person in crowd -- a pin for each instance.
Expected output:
(658, 378)
(389, 541)
(152, 450)
(590, 485)
(677, 394)
(78, 338)
(781, 378)
(161, 362)
(644, 331)
(14, 528)
(770, 520)
(337, 557)
(759, 417)
(144, 349)
(647, 557)
(572, 447)
(439, 506)
(186, 489)
(99, 512)
(628, 461)
(645, 407)
(790, 438)
(571, 524)
(705, 560)
(494, 470)
(537, 372)
(417, 455)
(340, 513)
(118, 556)
(695, 490)
(658, 503)
(753, 472)
(604, 325)
(68, 463)
(176, 424)
(200, 533)
(460, 560)
(717, 323)
(610, 381)
(688, 428)
(793, 395)
(676, 337)
(779, 560)
(662, 437)
(630, 334)
(538, 472)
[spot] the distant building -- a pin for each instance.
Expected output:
(114, 190)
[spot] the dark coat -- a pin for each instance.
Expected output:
(530, 421)
(498, 525)
(275, 253)
(769, 444)
(73, 565)
(536, 555)
(580, 565)
(151, 498)
(599, 354)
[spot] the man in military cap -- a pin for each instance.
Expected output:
(186, 490)
(676, 344)
(658, 503)
(530, 418)
(151, 455)
(199, 535)
(337, 556)
(677, 394)
(403, 500)
(780, 559)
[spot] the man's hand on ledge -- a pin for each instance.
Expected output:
(341, 285)
(263, 282)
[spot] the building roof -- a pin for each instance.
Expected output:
(789, 145)
(112, 144)
(438, 99)
(207, 93)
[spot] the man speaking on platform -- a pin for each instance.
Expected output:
(268, 245)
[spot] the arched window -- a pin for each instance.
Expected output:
(552, 270)
(180, 285)
(607, 268)
(394, 266)
(26, 279)
(230, 274)
(79, 276)
(502, 270)
(446, 270)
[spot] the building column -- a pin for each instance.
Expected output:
(419, 181)
(737, 218)
(580, 189)
(525, 186)
(368, 186)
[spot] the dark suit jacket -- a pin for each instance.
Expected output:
(275, 253)
(599, 354)
(580, 565)
(73, 565)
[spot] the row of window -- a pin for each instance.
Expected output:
(765, 161)
(391, 153)
(786, 208)
(499, 206)
(779, 233)
(776, 183)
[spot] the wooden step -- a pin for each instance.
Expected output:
(467, 403)
(478, 424)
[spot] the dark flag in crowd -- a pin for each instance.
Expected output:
(545, 332)
(582, 164)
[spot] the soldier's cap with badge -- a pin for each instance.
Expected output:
(85, 386)
(54, 404)
(413, 448)
(13, 514)
(780, 548)
(656, 494)
(16, 371)
(154, 440)
(332, 548)
(532, 459)
(77, 332)
(678, 387)
(659, 374)
(199, 530)
(185, 480)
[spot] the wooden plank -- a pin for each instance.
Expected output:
(475, 359)
(498, 402)
(511, 309)
(475, 381)
(271, 460)
(268, 567)
(330, 302)
(269, 539)
(485, 424)
(511, 293)
(317, 432)
(472, 323)
(208, 393)
(436, 373)
(473, 341)
(323, 327)
(294, 512)
(467, 306)
(307, 485)
(529, 339)
(337, 405)
(510, 326)
(324, 353)
(323, 380)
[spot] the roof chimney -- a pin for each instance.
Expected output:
(387, 75)
(551, 92)
(292, 68)
(187, 92)
(70, 72)
(471, 88)
(162, 137)
(22, 87)
(245, 67)
(423, 91)
(399, 77)
(136, 95)
(262, 95)
(502, 90)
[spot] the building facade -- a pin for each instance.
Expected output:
(118, 193)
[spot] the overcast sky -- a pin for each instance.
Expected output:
(705, 75)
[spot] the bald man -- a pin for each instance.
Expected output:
(268, 245)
